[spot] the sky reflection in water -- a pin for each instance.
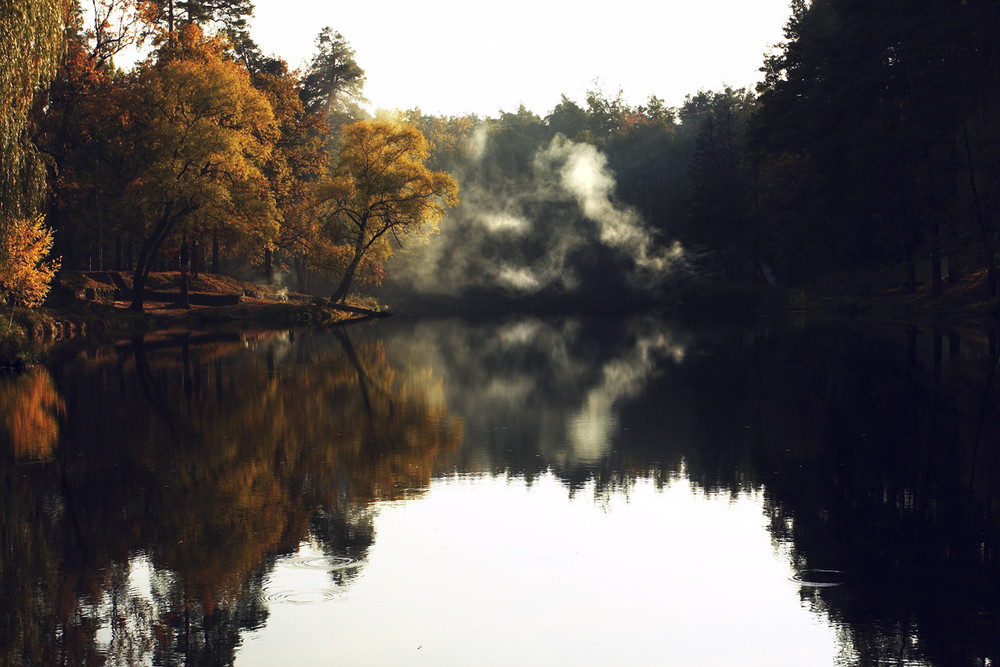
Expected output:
(493, 571)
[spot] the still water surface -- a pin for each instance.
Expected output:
(516, 490)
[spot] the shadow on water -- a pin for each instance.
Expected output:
(150, 489)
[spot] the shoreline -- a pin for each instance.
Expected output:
(92, 307)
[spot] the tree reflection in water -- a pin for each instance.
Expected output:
(29, 421)
(875, 448)
(185, 468)
(188, 465)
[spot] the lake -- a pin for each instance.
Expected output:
(520, 489)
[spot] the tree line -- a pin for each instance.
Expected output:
(208, 151)
(870, 142)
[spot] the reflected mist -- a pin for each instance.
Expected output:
(538, 393)
(511, 490)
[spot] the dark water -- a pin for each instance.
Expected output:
(514, 490)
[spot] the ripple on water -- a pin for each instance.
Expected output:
(340, 569)
(328, 563)
(818, 578)
(301, 596)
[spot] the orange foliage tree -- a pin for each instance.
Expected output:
(381, 192)
(201, 135)
(295, 168)
(24, 274)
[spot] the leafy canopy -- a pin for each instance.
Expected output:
(29, 52)
(382, 191)
(203, 132)
(202, 135)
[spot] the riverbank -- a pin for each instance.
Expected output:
(94, 306)
(875, 296)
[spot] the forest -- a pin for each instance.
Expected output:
(871, 142)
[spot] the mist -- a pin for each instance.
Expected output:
(549, 226)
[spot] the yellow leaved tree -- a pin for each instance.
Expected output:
(380, 193)
(25, 276)
(202, 133)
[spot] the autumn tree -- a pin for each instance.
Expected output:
(166, 16)
(382, 192)
(201, 133)
(25, 275)
(81, 132)
(116, 25)
(29, 51)
(295, 169)
(450, 139)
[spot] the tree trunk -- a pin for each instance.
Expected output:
(139, 284)
(196, 258)
(215, 253)
(954, 268)
(301, 273)
(345, 283)
(185, 301)
(936, 257)
(268, 267)
(984, 232)
(170, 23)
(147, 255)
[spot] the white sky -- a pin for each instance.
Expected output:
(451, 57)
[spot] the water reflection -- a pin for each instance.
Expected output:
(29, 420)
(494, 571)
(539, 393)
(172, 498)
(198, 462)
